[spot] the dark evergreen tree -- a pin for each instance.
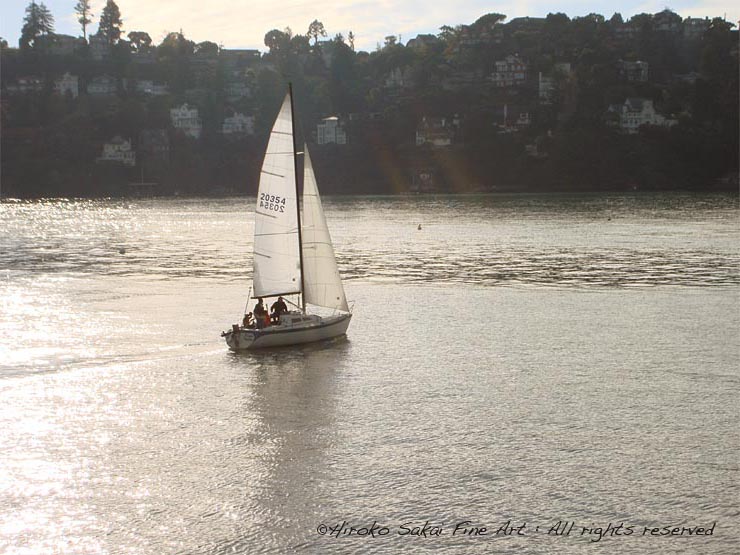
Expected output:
(110, 23)
(37, 23)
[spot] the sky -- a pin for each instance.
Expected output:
(235, 24)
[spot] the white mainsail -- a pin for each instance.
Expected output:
(277, 268)
(323, 286)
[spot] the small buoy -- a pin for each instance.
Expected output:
(121, 251)
(419, 227)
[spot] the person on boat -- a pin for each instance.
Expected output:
(247, 321)
(278, 308)
(259, 313)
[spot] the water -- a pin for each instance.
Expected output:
(526, 359)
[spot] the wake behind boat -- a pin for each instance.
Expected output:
(291, 257)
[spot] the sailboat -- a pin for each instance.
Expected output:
(293, 255)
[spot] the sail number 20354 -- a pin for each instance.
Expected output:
(272, 202)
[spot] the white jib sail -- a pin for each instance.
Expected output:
(276, 248)
(322, 284)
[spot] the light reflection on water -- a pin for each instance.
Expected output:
(599, 385)
(486, 240)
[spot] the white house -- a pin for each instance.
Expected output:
(548, 81)
(25, 85)
(118, 151)
(330, 130)
(436, 131)
(399, 79)
(236, 90)
(694, 28)
(238, 124)
(151, 88)
(509, 72)
(633, 71)
(68, 83)
(523, 120)
(186, 119)
(102, 86)
(640, 111)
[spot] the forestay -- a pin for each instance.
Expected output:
(276, 247)
(322, 284)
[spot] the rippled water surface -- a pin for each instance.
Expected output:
(530, 359)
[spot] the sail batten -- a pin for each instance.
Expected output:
(322, 283)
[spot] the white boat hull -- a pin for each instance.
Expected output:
(317, 329)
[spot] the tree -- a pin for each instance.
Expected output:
(37, 23)
(299, 45)
(316, 30)
(82, 9)
(446, 33)
(277, 41)
(175, 45)
(139, 40)
(110, 23)
(206, 48)
(488, 21)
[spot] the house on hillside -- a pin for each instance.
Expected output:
(636, 72)
(118, 151)
(103, 85)
(64, 45)
(509, 72)
(238, 124)
(399, 78)
(331, 131)
(67, 83)
(694, 27)
(236, 90)
(186, 119)
(548, 82)
(636, 112)
(26, 84)
(150, 88)
(436, 131)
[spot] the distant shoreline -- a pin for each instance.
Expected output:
(721, 191)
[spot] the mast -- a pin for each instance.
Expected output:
(297, 195)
